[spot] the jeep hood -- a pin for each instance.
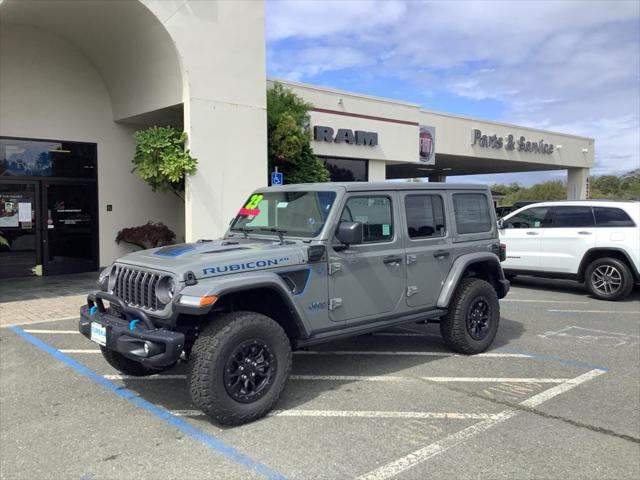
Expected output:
(218, 257)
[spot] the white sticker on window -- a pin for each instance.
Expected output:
(536, 224)
(282, 204)
(386, 229)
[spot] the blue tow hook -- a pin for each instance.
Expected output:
(92, 310)
(132, 324)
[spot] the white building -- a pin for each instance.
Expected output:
(78, 78)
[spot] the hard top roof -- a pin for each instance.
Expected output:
(375, 186)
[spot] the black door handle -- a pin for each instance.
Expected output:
(392, 259)
(441, 254)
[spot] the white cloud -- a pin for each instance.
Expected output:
(561, 65)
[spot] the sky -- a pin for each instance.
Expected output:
(566, 66)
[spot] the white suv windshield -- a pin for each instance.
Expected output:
(300, 214)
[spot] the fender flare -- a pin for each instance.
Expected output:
(458, 269)
(584, 264)
(224, 285)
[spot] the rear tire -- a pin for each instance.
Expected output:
(471, 323)
(238, 367)
(609, 279)
(128, 366)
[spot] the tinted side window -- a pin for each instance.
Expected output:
(374, 212)
(529, 218)
(472, 212)
(425, 216)
(612, 217)
(571, 217)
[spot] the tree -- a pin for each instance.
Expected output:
(289, 141)
(161, 159)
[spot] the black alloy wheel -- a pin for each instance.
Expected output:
(249, 371)
(479, 318)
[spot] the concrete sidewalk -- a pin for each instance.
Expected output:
(36, 299)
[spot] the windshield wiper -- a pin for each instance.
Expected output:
(278, 231)
(246, 231)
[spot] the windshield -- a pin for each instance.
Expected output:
(300, 214)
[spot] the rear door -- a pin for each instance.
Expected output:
(566, 238)
(369, 279)
(522, 234)
(428, 252)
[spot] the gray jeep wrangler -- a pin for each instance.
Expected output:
(301, 265)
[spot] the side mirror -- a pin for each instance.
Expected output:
(349, 233)
(500, 223)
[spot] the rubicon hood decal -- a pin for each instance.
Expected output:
(237, 267)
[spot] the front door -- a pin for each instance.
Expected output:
(522, 233)
(428, 258)
(19, 232)
(368, 279)
(70, 230)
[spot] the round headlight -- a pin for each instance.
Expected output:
(166, 289)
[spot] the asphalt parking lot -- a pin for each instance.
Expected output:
(558, 396)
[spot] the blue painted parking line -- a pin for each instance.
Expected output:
(552, 358)
(210, 441)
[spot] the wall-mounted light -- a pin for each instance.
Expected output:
(585, 150)
(340, 102)
(558, 147)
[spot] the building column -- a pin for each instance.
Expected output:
(577, 183)
(377, 171)
(437, 178)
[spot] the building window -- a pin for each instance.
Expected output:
(46, 158)
(347, 170)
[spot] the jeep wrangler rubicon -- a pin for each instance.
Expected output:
(301, 265)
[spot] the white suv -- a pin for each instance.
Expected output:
(591, 241)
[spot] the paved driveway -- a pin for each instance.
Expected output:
(557, 397)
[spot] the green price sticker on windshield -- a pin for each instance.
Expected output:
(251, 208)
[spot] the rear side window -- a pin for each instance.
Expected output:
(425, 216)
(612, 217)
(571, 217)
(472, 213)
(374, 212)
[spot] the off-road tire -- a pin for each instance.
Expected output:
(623, 270)
(128, 366)
(210, 356)
(453, 326)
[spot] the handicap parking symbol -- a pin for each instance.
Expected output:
(277, 178)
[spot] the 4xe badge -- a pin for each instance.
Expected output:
(317, 306)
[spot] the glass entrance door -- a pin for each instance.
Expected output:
(69, 227)
(19, 232)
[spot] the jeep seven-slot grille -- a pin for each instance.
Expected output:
(137, 288)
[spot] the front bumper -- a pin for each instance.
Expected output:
(163, 347)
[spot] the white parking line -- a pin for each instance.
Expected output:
(359, 414)
(425, 354)
(150, 377)
(33, 322)
(522, 300)
(398, 466)
(391, 378)
(52, 331)
(634, 312)
(362, 378)
(79, 350)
